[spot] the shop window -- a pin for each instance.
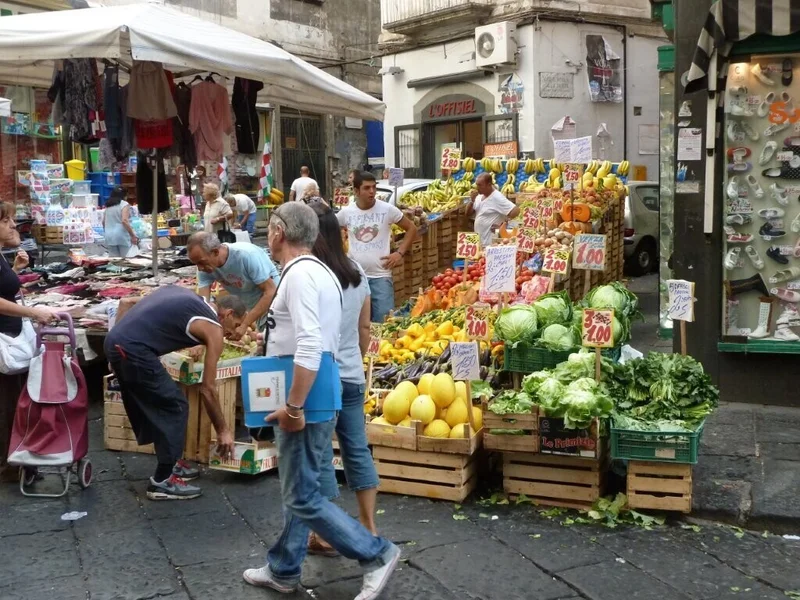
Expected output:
(407, 149)
(649, 196)
(501, 128)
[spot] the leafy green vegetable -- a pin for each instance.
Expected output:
(510, 401)
(552, 308)
(614, 295)
(557, 337)
(582, 400)
(481, 388)
(516, 323)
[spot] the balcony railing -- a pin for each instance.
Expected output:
(409, 16)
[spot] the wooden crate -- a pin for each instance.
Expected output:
(466, 446)
(392, 436)
(38, 233)
(426, 474)
(54, 235)
(554, 480)
(117, 432)
(659, 486)
(200, 432)
(528, 442)
(337, 456)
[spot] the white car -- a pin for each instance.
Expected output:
(386, 192)
(642, 227)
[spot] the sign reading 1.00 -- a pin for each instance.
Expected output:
(596, 328)
(590, 252)
(556, 261)
(477, 322)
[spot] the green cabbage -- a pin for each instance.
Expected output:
(516, 324)
(557, 337)
(613, 295)
(531, 383)
(552, 308)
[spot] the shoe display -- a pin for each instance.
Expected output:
(796, 224)
(785, 275)
(737, 110)
(784, 334)
(733, 130)
(775, 254)
(773, 129)
(796, 251)
(769, 232)
(764, 315)
(758, 191)
(733, 188)
(749, 131)
(739, 220)
(767, 152)
(763, 108)
(761, 76)
(751, 284)
(738, 90)
(752, 254)
(771, 213)
(790, 317)
(739, 167)
(736, 155)
(779, 194)
(732, 258)
(786, 295)
(787, 101)
(739, 238)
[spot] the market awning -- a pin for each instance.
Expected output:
(30, 43)
(731, 21)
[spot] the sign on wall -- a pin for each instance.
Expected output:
(556, 85)
(453, 106)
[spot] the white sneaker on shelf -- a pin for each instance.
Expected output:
(789, 317)
(737, 110)
(754, 257)
(732, 190)
(732, 130)
(767, 152)
(738, 220)
(761, 76)
(779, 194)
(760, 332)
(758, 191)
(732, 258)
(784, 334)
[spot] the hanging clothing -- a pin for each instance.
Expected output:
(111, 102)
(56, 95)
(155, 133)
(128, 140)
(149, 94)
(248, 130)
(80, 96)
(210, 120)
(144, 185)
(183, 145)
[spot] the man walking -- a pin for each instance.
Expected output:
(298, 190)
(171, 318)
(245, 210)
(491, 208)
(244, 270)
(298, 328)
(369, 228)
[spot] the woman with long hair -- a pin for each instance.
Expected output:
(11, 316)
(359, 469)
(119, 234)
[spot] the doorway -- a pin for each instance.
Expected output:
(302, 145)
(468, 134)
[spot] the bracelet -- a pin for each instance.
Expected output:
(293, 407)
(291, 416)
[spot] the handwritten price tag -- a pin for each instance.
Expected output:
(526, 240)
(681, 300)
(396, 177)
(530, 218)
(477, 321)
(464, 361)
(341, 196)
(451, 159)
(572, 176)
(558, 204)
(556, 261)
(374, 347)
(596, 328)
(590, 252)
(501, 268)
(546, 209)
(468, 245)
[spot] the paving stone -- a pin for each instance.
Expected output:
(105, 466)
(210, 501)
(137, 466)
(223, 579)
(777, 497)
(775, 424)
(207, 538)
(732, 413)
(729, 440)
(319, 570)
(63, 588)
(614, 580)
(453, 565)
(407, 583)
(32, 516)
(729, 500)
(111, 506)
(781, 451)
(37, 557)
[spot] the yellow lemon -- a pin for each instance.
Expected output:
(443, 390)
(423, 409)
(438, 429)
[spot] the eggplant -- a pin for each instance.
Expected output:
(484, 373)
(486, 357)
(444, 357)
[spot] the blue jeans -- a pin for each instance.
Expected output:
(250, 224)
(305, 510)
(118, 249)
(381, 292)
(359, 469)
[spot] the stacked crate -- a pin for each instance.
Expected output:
(117, 431)
(447, 241)
(415, 268)
(430, 249)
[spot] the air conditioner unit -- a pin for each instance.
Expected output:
(495, 44)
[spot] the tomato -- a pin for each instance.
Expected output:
(520, 280)
(438, 278)
(448, 272)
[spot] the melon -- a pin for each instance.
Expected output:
(396, 406)
(461, 390)
(424, 385)
(457, 413)
(477, 417)
(380, 421)
(405, 422)
(461, 431)
(437, 428)
(443, 390)
(423, 409)
(407, 389)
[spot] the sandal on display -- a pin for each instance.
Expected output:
(785, 275)
(775, 254)
(768, 152)
(785, 295)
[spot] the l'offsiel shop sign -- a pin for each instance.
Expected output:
(453, 107)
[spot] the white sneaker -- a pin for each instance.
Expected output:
(771, 213)
(733, 129)
(733, 188)
(738, 219)
(768, 152)
(732, 258)
(774, 128)
(796, 224)
(784, 334)
(754, 257)
(758, 191)
(376, 580)
(737, 110)
(760, 332)
(749, 131)
(263, 578)
(779, 194)
(789, 317)
(761, 76)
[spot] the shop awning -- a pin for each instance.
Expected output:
(30, 43)
(731, 21)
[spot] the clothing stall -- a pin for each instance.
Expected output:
(158, 50)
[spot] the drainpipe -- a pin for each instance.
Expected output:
(625, 92)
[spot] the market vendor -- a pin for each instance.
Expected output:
(244, 270)
(171, 318)
(245, 210)
(491, 208)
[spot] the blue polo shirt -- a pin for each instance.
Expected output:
(247, 267)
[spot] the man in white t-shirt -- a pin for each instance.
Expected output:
(304, 321)
(491, 208)
(299, 185)
(245, 211)
(368, 222)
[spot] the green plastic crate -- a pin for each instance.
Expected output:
(680, 447)
(525, 358)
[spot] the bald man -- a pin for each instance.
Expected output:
(491, 208)
(300, 184)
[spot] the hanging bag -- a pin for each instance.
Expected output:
(16, 352)
(225, 235)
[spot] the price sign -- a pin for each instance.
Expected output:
(681, 300)
(596, 328)
(396, 177)
(526, 240)
(341, 196)
(530, 218)
(468, 245)
(546, 209)
(572, 176)
(590, 252)
(556, 261)
(501, 268)
(558, 204)
(477, 320)
(374, 347)
(464, 361)
(451, 159)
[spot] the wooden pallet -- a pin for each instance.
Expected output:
(200, 432)
(528, 442)
(659, 486)
(426, 474)
(554, 480)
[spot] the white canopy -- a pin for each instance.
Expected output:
(29, 43)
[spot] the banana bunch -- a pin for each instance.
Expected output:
(462, 188)
(275, 196)
(509, 188)
(604, 169)
(623, 168)
(512, 165)
(593, 167)
(554, 178)
(492, 165)
(469, 164)
(534, 166)
(469, 175)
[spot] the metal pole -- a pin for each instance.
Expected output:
(154, 249)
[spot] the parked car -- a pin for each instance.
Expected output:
(641, 227)
(386, 192)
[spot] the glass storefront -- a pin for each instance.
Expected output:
(667, 193)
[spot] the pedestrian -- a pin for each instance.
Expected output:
(12, 314)
(171, 318)
(359, 469)
(312, 195)
(296, 327)
(244, 270)
(298, 189)
(245, 210)
(369, 222)
(491, 208)
(216, 212)
(117, 230)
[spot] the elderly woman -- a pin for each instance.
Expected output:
(216, 211)
(309, 289)
(312, 196)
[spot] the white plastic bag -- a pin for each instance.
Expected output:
(132, 251)
(16, 352)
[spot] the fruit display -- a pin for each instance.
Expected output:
(440, 196)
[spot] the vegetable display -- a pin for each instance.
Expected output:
(553, 308)
(614, 295)
(517, 323)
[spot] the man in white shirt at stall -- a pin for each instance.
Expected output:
(491, 208)
(304, 322)
(245, 210)
(300, 184)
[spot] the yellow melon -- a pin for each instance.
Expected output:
(423, 409)
(456, 413)
(461, 431)
(380, 421)
(477, 416)
(461, 390)
(443, 390)
(405, 422)
(424, 385)
(396, 406)
(437, 429)
(408, 389)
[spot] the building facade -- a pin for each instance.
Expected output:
(474, 72)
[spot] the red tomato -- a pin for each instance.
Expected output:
(448, 272)
(438, 278)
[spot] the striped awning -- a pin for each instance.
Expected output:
(731, 21)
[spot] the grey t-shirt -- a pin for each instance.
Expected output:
(351, 365)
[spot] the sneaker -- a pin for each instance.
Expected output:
(752, 254)
(733, 188)
(376, 580)
(769, 232)
(773, 129)
(758, 191)
(749, 131)
(263, 578)
(760, 332)
(768, 152)
(737, 110)
(771, 213)
(732, 258)
(784, 334)
(763, 108)
(185, 471)
(779, 194)
(796, 224)
(738, 220)
(761, 76)
(173, 488)
(737, 155)
(738, 90)
(733, 130)
(775, 254)
(739, 238)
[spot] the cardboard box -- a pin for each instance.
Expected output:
(249, 458)
(189, 372)
(554, 438)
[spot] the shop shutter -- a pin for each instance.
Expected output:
(407, 146)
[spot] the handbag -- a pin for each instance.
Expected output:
(225, 235)
(16, 352)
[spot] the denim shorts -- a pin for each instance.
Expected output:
(359, 469)
(381, 292)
